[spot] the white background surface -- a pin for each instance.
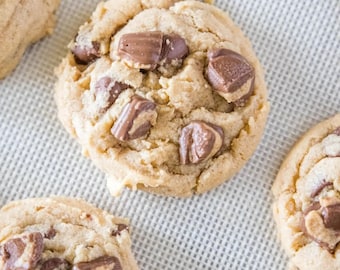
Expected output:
(230, 227)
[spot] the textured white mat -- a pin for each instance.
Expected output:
(230, 227)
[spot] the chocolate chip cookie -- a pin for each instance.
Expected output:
(21, 24)
(62, 233)
(307, 199)
(168, 98)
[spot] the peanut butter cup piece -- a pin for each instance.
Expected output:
(136, 119)
(331, 217)
(55, 264)
(174, 48)
(143, 48)
(151, 49)
(231, 75)
(86, 53)
(101, 263)
(120, 228)
(23, 252)
(108, 85)
(199, 141)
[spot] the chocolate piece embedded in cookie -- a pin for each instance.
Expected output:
(150, 49)
(109, 90)
(320, 187)
(320, 224)
(50, 233)
(84, 48)
(231, 75)
(142, 48)
(135, 120)
(102, 263)
(331, 216)
(174, 48)
(86, 53)
(199, 141)
(22, 252)
(55, 264)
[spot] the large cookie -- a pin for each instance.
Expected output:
(60, 233)
(21, 24)
(307, 199)
(169, 100)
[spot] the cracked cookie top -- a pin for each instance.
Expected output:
(307, 203)
(163, 97)
(60, 233)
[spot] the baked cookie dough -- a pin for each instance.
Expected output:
(170, 100)
(21, 24)
(307, 199)
(60, 233)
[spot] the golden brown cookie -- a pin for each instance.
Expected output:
(21, 24)
(62, 233)
(307, 199)
(170, 100)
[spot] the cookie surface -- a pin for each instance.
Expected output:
(62, 233)
(307, 199)
(170, 100)
(21, 24)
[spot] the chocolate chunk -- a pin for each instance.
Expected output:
(85, 54)
(315, 206)
(135, 120)
(106, 84)
(50, 233)
(101, 263)
(36, 242)
(337, 131)
(151, 48)
(55, 264)
(174, 48)
(12, 251)
(199, 141)
(331, 217)
(319, 189)
(120, 228)
(23, 253)
(228, 72)
(144, 48)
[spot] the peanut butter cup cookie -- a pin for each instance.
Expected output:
(21, 24)
(165, 97)
(307, 199)
(61, 233)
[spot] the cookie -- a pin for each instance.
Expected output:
(62, 233)
(169, 100)
(307, 199)
(21, 24)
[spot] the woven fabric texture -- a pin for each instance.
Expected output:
(230, 227)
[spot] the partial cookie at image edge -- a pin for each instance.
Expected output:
(39, 233)
(23, 23)
(305, 194)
